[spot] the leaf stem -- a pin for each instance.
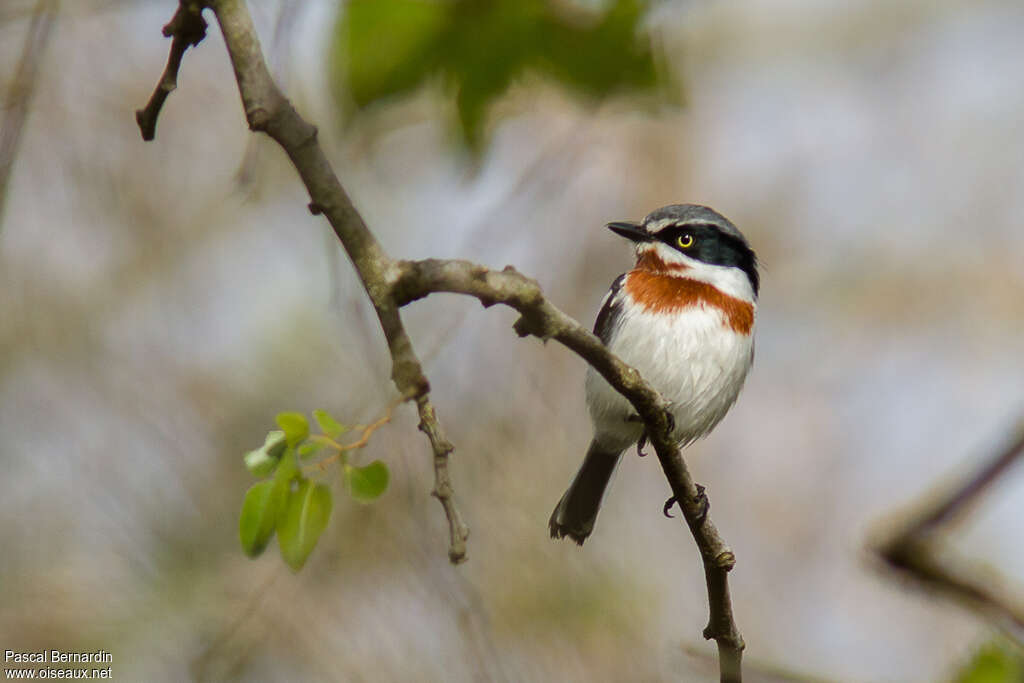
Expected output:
(368, 431)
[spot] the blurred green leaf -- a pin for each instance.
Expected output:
(309, 449)
(328, 425)
(287, 468)
(263, 461)
(304, 518)
(295, 427)
(367, 484)
(992, 663)
(478, 48)
(260, 511)
(385, 45)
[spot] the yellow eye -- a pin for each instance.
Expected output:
(685, 241)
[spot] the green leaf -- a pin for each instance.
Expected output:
(295, 427)
(328, 425)
(366, 484)
(478, 49)
(260, 511)
(304, 519)
(385, 46)
(309, 449)
(992, 664)
(263, 461)
(288, 468)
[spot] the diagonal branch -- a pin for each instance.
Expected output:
(916, 549)
(392, 284)
(19, 92)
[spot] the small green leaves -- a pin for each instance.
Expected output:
(290, 504)
(260, 510)
(304, 519)
(366, 484)
(328, 425)
(295, 427)
(262, 461)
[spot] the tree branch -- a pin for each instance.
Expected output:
(443, 448)
(916, 550)
(267, 110)
(187, 28)
(392, 284)
(540, 318)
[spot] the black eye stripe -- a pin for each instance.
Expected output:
(714, 247)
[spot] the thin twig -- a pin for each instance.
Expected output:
(961, 498)
(916, 550)
(187, 28)
(20, 91)
(253, 603)
(368, 431)
(443, 448)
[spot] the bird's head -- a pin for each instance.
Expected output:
(692, 241)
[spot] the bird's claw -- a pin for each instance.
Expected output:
(640, 445)
(702, 500)
(704, 503)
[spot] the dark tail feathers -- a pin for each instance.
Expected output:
(576, 512)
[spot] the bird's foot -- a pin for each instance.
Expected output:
(705, 504)
(640, 445)
(702, 500)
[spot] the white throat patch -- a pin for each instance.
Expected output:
(727, 279)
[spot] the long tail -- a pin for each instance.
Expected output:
(575, 514)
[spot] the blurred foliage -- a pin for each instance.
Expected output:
(385, 49)
(291, 505)
(993, 663)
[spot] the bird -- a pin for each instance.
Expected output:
(683, 317)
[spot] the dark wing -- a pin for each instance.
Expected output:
(611, 311)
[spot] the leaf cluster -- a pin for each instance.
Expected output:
(384, 49)
(288, 503)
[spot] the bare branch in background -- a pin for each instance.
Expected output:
(917, 550)
(19, 94)
(393, 284)
(187, 28)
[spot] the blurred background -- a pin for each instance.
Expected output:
(162, 301)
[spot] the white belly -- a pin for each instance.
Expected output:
(697, 363)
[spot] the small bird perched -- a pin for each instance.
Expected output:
(684, 317)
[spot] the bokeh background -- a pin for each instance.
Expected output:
(160, 302)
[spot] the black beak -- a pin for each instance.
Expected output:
(631, 231)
